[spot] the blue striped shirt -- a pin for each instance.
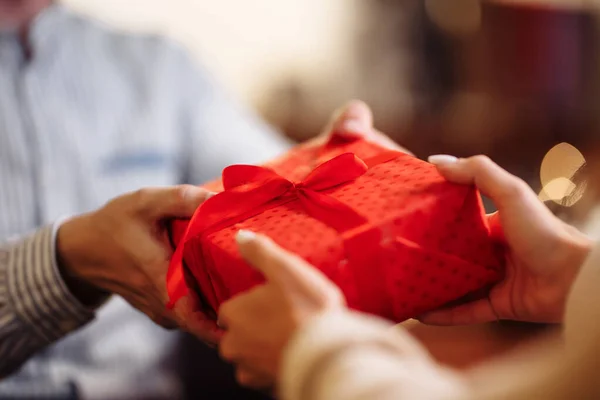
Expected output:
(86, 114)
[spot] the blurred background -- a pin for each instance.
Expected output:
(517, 80)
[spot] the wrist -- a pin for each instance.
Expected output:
(579, 246)
(576, 247)
(74, 257)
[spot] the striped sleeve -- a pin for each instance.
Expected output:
(36, 308)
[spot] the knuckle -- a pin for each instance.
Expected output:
(166, 322)
(225, 313)
(116, 202)
(242, 378)
(142, 195)
(141, 200)
(156, 318)
(249, 379)
(226, 349)
(337, 297)
(333, 298)
(140, 282)
(180, 193)
(225, 310)
(515, 188)
(480, 161)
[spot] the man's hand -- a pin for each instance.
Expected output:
(123, 248)
(259, 323)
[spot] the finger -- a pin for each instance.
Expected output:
(227, 350)
(276, 264)
(191, 319)
(356, 119)
(166, 322)
(160, 319)
(478, 311)
(176, 201)
(251, 379)
(205, 330)
(503, 188)
(353, 119)
(242, 304)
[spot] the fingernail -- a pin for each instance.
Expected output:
(442, 159)
(353, 126)
(243, 236)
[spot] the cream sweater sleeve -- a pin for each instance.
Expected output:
(350, 356)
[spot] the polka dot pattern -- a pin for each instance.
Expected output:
(435, 245)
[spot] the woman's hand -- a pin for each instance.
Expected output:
(543, 253)
(259, 323)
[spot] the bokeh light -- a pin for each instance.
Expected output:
(457, 17)
(556, 172)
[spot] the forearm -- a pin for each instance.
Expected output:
(564, 366)
(352, 358)
(36, 307)
(582, 318)
(349, 356)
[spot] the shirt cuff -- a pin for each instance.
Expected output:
(36, 291)
(331, 332)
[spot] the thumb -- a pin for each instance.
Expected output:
(278, 265)
(176, 201)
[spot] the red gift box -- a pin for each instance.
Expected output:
(384, 226)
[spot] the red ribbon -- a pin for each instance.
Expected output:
(249, 190)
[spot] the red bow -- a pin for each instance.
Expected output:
(249, 190)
